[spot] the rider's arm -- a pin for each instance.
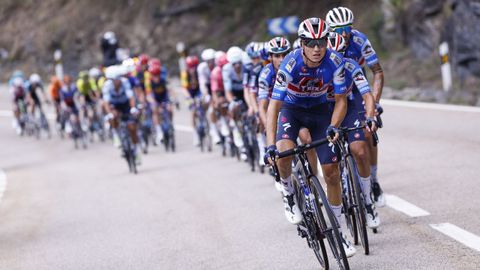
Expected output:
(272, 115)
(263, 106)
(340, 90)
(227, 82)
(378, 80)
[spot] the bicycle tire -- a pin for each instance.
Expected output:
(317, 244)
(360, 204)
(330, 230)
(348, 206)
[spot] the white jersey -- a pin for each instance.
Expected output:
(204, 78)
(114, 97)
(232, 81)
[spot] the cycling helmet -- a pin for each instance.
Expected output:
(296, 44)
(221, 59)
(17, 73)
(340, 16)
(94, 72)
(154, 62)
(278, 45)
(35, 78)
(336, 42)
(313, 28)
(192, 61)
(264, 51)
(83, 75)
(67, 79)
(208, 54)
(246, 60)
(112, 72)
(234, 54)
(17, 82)
(109, 35)
(253, 49)
(143, 59)
(154, 70)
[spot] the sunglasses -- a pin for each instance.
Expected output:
(311, 43)
(347, 29)
(279, 55)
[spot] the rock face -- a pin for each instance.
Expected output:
(465, 40)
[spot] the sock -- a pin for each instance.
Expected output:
(261, 145)
(287, 186)
(159, 129)
(366, 188)
(373, 169)
(337, 212)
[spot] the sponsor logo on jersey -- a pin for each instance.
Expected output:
(283, 119)
(303, 69)
(281, 81)
(368, 50)
(358, 40)
(265, 73)
(336, 59)
(291, 63)
(358, 76)
(357, 135)
(349, 66)
(285, 136)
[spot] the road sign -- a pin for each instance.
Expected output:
(283, 25)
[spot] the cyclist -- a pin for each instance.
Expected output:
(19, 94)
(254, 52)
(119, 102)
(299, 99)
(87, 88)
(192, 90)
(158, 96)
(68, 100)
(54, 90)
(35, 83)
(358, 91)
(359, 49)
(218, 94)
(141, 73)
(204, 69)
(236, 94)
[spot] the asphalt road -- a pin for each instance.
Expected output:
(80, 209)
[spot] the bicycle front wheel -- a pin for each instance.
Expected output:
(328, 226)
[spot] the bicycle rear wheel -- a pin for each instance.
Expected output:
(359, 202)
(348, 203)
(329, 226)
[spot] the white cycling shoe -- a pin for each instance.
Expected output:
(278, 186)
(378, 195)
(373, 220)
(292, 212)
(116, 141)
(350, 250)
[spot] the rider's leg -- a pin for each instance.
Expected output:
(305, 137)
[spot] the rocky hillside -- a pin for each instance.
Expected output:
(405, 33)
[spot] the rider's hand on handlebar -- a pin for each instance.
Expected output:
(371, 124)
(269, 154)
(332, 134)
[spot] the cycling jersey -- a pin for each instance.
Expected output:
(85, 87)
(32, 89)
(203, 72)
(216, 81)
(246, 74)
(67, 94)
(54, 89)
(190, 82)
(18, 92)
(266, 81)
(232, 81)
(157, 87)
(306, 87)
(360, 49)
(254, 74)
(141, 77)
(119, 96)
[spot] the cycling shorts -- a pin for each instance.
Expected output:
(316, 119)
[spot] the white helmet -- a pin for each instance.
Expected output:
(246, 59)
(113, 72)
(94, 72)
(208, 54)
(336, 42)
(109, 35)
(234, 54)
(129, 64)
(313, 28)
(35, 78)
(296, 44)
(278, 45)
(340, 16)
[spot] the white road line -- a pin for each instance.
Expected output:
(404, 206)
(3, 183)
(434, 106)
(467, 238)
